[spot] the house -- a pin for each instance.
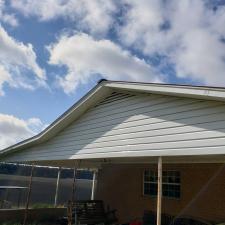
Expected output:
(156, 147)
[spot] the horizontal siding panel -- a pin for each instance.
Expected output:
(142, 140)
(142, 147)
(139, 123)
(182, 112)
(156, 110)
(173, 117)
(217, 126)
(130, 107)
(123, 103)
(130, 115)
(122, 129)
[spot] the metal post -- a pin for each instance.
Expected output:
(71, 204)
(28, 195)
(76, 166)
(94, 184)
(57, 187)
(73, 187)
(159, 195)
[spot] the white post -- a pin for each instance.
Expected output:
(57, 187)
(94, 184)
(159, 195)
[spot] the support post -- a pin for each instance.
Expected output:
(28, 195)
(159, 194)
(71, 204)
(74, 183)
(94, 184)
(57, 187)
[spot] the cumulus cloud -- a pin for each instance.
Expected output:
(5, 77)
(94, 15)
(17, 60)
(7, 17)
(13, 129)
(85, 57)
(189, 33)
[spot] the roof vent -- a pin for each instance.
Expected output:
(101, 80)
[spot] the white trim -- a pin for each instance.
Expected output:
(212, 93)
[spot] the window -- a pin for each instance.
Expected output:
(170, 183)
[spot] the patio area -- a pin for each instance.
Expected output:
(167, 190)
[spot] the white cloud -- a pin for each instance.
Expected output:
(5, 77)
(191, 38)
(141, 21)
(94, 15)
(16, 53)
(13, 129)
(6, 17)
(86, 57)
(18, 66)
(187, 33)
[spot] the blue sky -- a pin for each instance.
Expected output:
(53, 52)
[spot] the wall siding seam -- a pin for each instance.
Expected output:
(119, 135)
(145, 144)
(144, 119)
(143, 137)
(169, 107)
(85, 132)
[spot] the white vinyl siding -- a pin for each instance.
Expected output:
(139, 124)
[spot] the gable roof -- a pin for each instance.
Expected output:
(105, 88)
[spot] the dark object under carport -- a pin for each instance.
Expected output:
(149, 218)
(92, 212)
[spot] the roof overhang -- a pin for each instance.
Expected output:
(98, 163)
(199, 92)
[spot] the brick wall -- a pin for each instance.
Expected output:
(202, 191)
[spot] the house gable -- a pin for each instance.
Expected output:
(131, 124)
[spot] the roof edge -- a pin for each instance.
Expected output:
(202, 92)
(67, 115)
